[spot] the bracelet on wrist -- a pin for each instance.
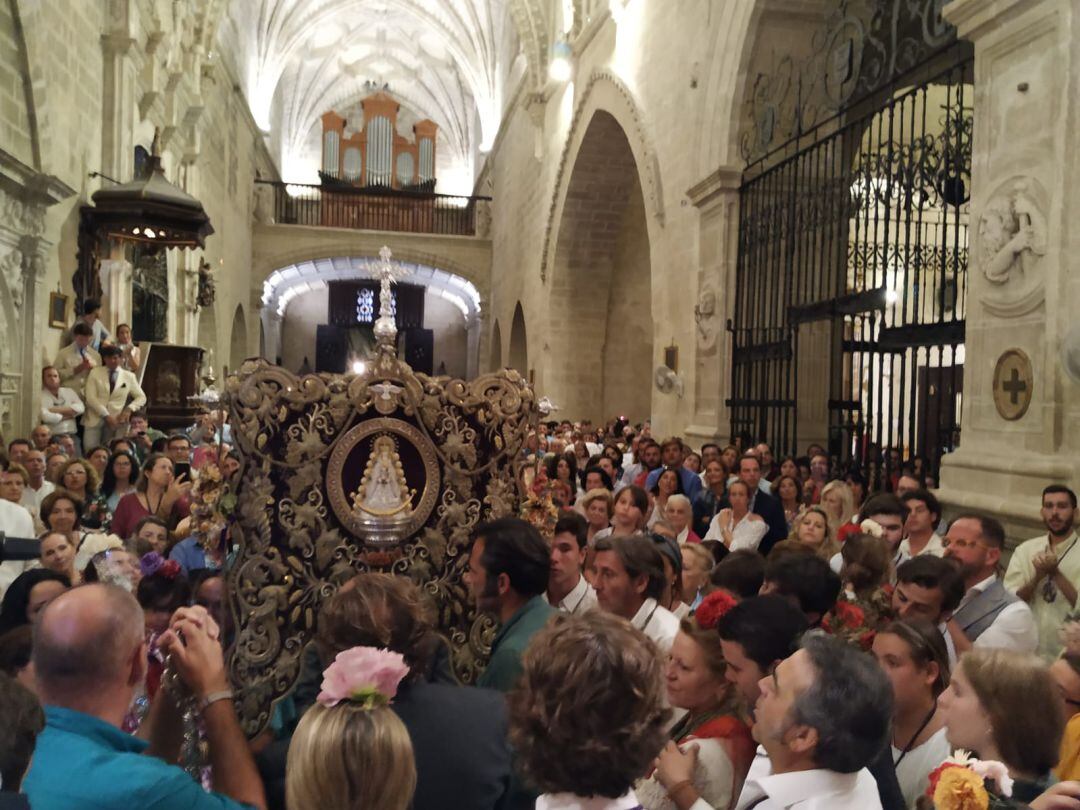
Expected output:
(214, 697)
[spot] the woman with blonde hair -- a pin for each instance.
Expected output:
(350, 750)
(812, 528)
(839, 505)
(1003, 705)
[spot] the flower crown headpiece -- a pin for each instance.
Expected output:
(368, 677)
(961, 783)
(153, 563)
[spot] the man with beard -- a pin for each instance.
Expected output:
(1045, 571)
(988, 616)
(508, 572)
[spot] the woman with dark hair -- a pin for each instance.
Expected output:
(712, 498)
(16, 647)
(119, 480)
(60, 512)
(594, 478)
(562, 473)
(28, 595)
(788, 491)
(628, 514)
(587, 717)
(81, 479)
(157, 492)
(162, 591)
(669, 483)
(1002, 705)
(913, 655)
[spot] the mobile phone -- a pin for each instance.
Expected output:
(183, 468)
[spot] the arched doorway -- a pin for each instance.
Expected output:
(496, 348)
(238, 346)
(601, 327)
(519, 345)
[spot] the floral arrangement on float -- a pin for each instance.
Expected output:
(964, 783)
(212, 504)
(539, 507)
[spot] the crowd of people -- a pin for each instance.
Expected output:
(701, 630)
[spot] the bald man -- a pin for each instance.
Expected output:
(89, 658)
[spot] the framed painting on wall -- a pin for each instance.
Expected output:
(58, 310)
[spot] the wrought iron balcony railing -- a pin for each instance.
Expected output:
(376, 209)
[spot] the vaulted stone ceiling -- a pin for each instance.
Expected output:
(447, 60)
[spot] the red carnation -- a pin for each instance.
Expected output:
(850, 615)
(935, 775)
(170, 569)
(712, 609)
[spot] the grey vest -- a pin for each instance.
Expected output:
(983, 610)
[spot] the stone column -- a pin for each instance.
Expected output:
(475, 327)
(1020, 408)
(118, 93)
(717, 199)
(272, 329)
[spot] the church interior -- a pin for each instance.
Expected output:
(368, 274)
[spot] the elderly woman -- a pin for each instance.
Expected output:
(680, 514)
(597, 506)
(698, 564)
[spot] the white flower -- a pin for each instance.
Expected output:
(872, 528)
(996, 771)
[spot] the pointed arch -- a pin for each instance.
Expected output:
(518, 357)
(496, 347)
(238, 342)
(605, 92)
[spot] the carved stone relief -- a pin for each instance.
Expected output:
(1012, 240)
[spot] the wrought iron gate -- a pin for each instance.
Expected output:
(848, 322)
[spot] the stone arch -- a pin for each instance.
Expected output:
(496, 347)
(605, 92)
(600, 327)
(238, 340)
(726, 84)
(518, 357)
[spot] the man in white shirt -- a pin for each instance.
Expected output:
(59, 406)
(567, 589)
(629, 581)
(15, 521)
(989, 616)
(1045, 571)
(112, 395)
(924, 512)
(822, 716)
(37, 487)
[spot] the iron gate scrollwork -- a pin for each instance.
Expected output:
(848, 320)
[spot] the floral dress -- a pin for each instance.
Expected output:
(96, 513)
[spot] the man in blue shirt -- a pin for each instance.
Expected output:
(89, 656)
(671, 457)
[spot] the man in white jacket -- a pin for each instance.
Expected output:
(112, 395)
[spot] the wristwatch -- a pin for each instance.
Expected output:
(214, 697)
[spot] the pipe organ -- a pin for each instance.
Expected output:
(377, 155)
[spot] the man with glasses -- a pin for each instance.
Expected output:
(988, 616)
(1045, 571)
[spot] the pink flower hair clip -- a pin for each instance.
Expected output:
(366, 676)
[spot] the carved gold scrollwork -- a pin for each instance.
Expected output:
(291, 522)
